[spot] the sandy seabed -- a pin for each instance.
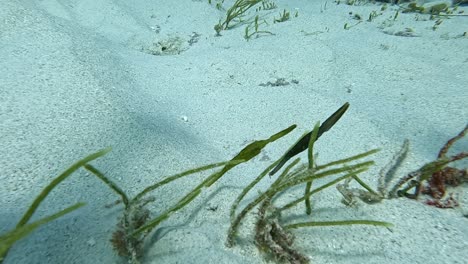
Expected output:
(152, 80)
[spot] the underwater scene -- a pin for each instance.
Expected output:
(234, 131)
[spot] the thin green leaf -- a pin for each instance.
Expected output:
(109, 183)
(174, 177)
(310, 152)
(7, 240)
(56, 181)
(155, 222)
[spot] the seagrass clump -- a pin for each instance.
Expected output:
(431, 179)
(137, 221)
(273, 236)
(235, 14)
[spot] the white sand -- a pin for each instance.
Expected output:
(74, 79)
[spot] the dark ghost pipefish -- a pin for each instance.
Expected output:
(303, 143)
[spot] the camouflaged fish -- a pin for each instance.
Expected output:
(303, 143)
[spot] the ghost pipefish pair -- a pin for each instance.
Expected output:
(303, 143)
